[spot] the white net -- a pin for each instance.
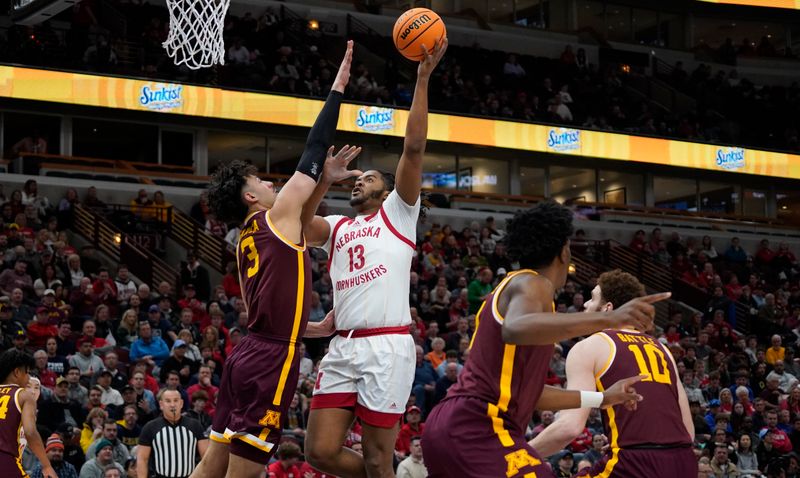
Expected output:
(195, 32)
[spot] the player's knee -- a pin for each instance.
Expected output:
(378, 466)
(319, 453)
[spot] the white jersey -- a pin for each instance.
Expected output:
(370, 264)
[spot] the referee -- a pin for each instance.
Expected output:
(169, 445)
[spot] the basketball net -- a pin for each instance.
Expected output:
(195, 32)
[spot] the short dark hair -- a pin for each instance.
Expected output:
(388, 180)
(619, 287)
(288, 450)
(536, 235)
(225, 191)
(13, 359)
(415, 438)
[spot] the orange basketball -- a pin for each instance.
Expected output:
(418, 26)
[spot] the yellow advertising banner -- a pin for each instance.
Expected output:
(169, 98)
(792, 4)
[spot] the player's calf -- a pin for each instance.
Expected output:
(214, 463)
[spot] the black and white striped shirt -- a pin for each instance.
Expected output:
(174, 447)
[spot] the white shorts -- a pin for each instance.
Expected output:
(372, 375)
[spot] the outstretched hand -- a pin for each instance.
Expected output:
(623, 392)
(343, 76)
(336, 164)
(639, 312)
(430, 60)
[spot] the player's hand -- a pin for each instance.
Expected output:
(623, 392)
(639, 312)
(430, 60)
(343, 76)
(49, 472)
(335, 168)
(328, 325)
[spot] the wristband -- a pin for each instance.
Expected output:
(591, 399)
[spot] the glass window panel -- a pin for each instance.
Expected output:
(100, 138)
(675, 193)
(438, 170)
(177, 147)
(672, 28)
(788, 203)
(483, 175)
(572, 184)
(532, 181)
(590, 15)
(284, 153)
(645, 26)
(20, 129)
(621, 188)
(224, 147)
(754, 203)
(718, 197)
(618, 22)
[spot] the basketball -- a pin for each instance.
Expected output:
(418, 26)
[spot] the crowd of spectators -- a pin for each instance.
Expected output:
(271, 52)
(111, 350)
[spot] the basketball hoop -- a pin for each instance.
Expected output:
(195, 32)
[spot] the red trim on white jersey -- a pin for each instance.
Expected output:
(333, 239)
(377, 419)
(334, 400)
(395, 231)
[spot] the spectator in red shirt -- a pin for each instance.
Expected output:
(204, 383)
(780, 440)
(46, 376)
(230, 282)
(639, 242)
(39, 330)
(105, 288)
(288, 457)
(412, 428)
(734, 289)
(764, 255)
(582, 442)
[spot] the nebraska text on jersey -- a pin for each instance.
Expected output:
(371, 231)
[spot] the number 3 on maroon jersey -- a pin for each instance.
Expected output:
(356, 257)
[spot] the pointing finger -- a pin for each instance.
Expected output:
(653, 298)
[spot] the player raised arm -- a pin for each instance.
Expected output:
(28, 405)
(528, 322)
(286, 212)
(409, 170)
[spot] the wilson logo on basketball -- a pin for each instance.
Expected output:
(415, 25)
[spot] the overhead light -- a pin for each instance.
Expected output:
(313, 25)
(602, 180)
(572, 269)
(784, 207)
(574, 185)
(117, 239)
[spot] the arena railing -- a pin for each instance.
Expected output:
(120, 247)
(183, 176)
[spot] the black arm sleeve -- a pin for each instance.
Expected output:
(320, 138)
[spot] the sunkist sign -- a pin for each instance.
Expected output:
(161, 96)
(372, 118)
(730, 159)
(150, 95)
(563, 139)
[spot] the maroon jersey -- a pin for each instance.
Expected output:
(657, 420)
(275, 276)
(509, 378)
(10, 420)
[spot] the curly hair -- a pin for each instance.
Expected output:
(225, 191)
(537, 235)
(619, 287)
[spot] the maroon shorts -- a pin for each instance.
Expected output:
(256, 390)
(638, 462)
(11, 466)
(459, 440)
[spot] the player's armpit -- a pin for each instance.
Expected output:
(285, 213)
(317, 231)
